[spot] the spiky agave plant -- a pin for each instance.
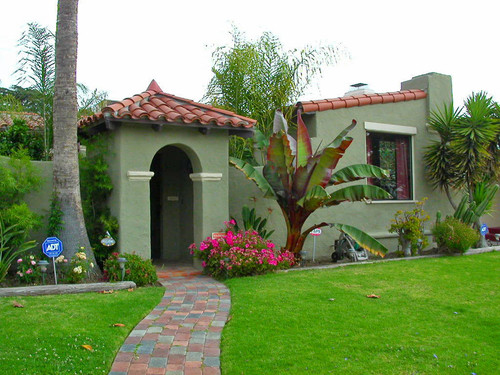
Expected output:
(297, 179)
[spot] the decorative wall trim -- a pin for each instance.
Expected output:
(388, 128)
(205, 176)
(140, 175)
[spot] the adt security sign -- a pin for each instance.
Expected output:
(316, 232)
(52, 247)
(484, 229)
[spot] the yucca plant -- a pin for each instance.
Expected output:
(297, 179)
(251, 221)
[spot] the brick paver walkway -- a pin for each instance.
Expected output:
(182, 334)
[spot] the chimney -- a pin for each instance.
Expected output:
(359, 89)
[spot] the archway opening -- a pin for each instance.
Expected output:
(171, 200)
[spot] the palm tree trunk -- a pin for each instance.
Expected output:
(66, 173)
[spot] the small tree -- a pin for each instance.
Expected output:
(297, 179)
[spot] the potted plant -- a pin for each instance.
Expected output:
(409, 225)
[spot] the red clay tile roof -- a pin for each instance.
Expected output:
(155, 105)
(360, 100)
(33, 120)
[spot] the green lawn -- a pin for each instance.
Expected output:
(434, 316)
(45, 336)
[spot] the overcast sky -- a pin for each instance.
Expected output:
(123, 44)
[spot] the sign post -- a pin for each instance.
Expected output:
(315, 233)
(52, 247)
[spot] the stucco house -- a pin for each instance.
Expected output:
(392, 132)
(173, 185)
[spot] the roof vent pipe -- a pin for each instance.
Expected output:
(359, 89)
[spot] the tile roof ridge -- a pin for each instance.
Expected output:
(360, 100)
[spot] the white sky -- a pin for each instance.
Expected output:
(123, 44)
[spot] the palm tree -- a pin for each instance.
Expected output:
(66, 173)
(466, 155)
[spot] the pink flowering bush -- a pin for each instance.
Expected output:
(27, 269)
(241, 253)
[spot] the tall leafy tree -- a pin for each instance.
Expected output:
(298, 180)
(66, 173)
(254, 78)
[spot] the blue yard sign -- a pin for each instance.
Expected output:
(484, 229)
(52, 247)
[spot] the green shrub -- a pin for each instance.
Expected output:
(96, 187)
(409, 225)
(24, 219)
(141, 271)
(454, 236)
(17, 178)
(18, 136)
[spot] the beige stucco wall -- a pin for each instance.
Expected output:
(132, 148)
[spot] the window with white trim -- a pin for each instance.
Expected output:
(390, 147)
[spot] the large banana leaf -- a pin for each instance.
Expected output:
(280, 155)
(314, 198)
(304, 148)
(328, 160)
(254, 175)
(362, 238)
(357, 172)
(357, 193)
(338, 140)
(274, 180)
(281, 124)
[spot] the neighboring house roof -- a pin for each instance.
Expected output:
(360, 100)
(157, 106)
(33, 120)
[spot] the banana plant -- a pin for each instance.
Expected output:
(298, 180)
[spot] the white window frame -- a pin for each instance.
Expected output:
(376, 127)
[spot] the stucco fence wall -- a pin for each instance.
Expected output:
(373, 218)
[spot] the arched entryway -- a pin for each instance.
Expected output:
(171, 199)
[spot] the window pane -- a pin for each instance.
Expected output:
(391, 152)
